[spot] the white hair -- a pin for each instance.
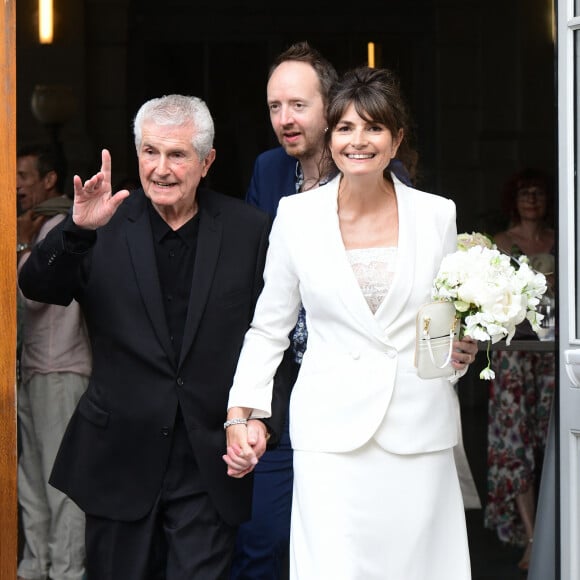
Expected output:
(178, 110)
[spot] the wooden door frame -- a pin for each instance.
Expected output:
(8, 454)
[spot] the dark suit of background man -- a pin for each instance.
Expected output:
(167, 278)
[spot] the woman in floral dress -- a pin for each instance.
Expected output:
(521, 394)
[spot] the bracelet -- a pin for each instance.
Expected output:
(238, 421)
(21, 247)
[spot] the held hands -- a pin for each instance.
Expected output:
(257, 436)
(94, 202)
(246, 443)
(464, 352)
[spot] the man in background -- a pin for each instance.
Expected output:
(54, 365)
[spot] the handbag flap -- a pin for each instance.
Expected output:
(436, 319)
(436, 327)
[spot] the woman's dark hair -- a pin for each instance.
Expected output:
(523, 179)
(376, 96)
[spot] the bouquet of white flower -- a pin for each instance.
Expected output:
(491, 291)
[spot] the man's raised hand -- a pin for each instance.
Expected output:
(94, 202)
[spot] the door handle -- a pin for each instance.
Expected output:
(572, 362)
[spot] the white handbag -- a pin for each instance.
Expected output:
(436, 328)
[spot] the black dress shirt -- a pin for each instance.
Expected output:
(175, 255)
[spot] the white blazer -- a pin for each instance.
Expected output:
(357, 379)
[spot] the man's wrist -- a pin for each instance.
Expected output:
(266, 428)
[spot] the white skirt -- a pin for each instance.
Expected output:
(373, 515)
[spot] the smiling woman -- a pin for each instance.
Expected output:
(361, 278)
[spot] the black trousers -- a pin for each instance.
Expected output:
(182, 538)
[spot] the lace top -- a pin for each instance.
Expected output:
(374, 269)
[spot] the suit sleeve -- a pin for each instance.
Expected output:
(450, 232)
(286, 373)
(275, 316)
(450, 246)
(54, 270)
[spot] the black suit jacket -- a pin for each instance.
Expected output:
(113, 456)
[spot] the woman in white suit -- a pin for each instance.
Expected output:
(376, 491)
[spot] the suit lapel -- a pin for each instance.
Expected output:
(349, 290)
(334, 263)
(140, 243)
(206, 260)
(402, 287)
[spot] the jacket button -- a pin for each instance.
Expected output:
(164, 431)
(180, 381)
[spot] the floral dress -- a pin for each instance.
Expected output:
(520, 399)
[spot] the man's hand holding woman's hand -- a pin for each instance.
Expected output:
(246, 443)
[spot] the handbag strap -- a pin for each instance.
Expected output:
(427, 337)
